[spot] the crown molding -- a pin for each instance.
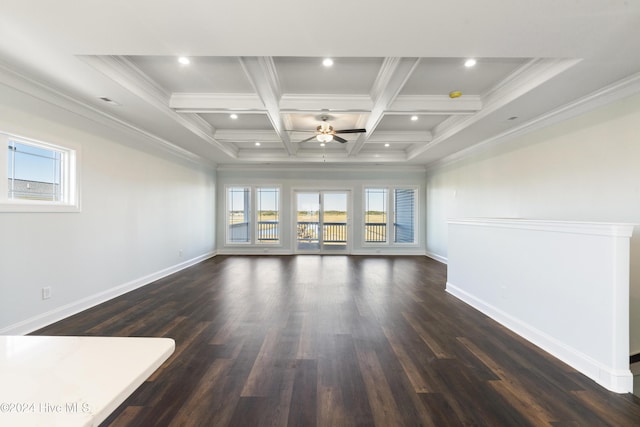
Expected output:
(524, 79)
(621, 89)
(51, 95)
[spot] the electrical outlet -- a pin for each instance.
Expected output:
(46, 292)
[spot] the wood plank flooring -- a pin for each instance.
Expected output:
(337, 341)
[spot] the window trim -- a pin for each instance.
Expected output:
(69, 180)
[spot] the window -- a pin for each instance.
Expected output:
(242, 226)
(39, 176)
(378, 211)
(268, 211)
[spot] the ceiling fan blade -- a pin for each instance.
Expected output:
(339, 139)
(350, 131)
(308, 139)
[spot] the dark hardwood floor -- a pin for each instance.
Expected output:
(337, 341)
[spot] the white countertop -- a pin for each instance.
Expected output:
(72, 381)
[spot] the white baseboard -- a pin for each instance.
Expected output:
(59, 313)
(619, 381)
(254, 251)
(437, 257)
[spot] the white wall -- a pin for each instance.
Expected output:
(583, 169)
(138, 211)
(518, 273)
(323, 178)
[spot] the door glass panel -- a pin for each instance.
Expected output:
(334, 221)
(308, 220)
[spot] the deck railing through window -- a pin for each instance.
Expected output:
(335, 232)
(375, 232)
(268, 231)
(332, 232)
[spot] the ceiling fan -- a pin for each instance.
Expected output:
(326, 133)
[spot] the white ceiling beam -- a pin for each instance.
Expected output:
(262, 74)
(531, 75)
(401, 136)
(215, 101)
(392, 77)
(296, 103)
(435, 104)
(332, 103)
(125, 73)
(247, 135)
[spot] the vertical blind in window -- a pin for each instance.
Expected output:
(404, 208)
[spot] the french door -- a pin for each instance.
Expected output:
(322, 221)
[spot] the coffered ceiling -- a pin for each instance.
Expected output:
(256, 87)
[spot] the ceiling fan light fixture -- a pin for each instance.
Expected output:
(324, 137)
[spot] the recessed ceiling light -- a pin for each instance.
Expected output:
(414, 118)
(233, 116)
(328, 62)
(470, 63)
(386, 145)
(257, 144)
(184, 60)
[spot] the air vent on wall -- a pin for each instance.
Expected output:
(108, 100)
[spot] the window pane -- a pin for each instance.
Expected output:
(375, 215)
(34, 173)
(268, 229)
(404, 208)
(238, 214)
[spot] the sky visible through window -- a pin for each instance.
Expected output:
(29, 163)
